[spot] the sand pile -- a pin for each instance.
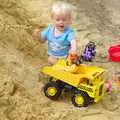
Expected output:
(21, 95)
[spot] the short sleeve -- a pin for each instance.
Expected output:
(71, 36)
(44, 33)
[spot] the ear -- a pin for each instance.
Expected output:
(70, 21)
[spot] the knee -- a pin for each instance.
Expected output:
(52, 60)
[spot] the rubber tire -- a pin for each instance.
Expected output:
(58, 93)
(85, 97)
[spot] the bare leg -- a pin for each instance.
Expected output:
(52, 60)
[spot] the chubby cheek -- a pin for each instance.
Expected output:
(57, 24)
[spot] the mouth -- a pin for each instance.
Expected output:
(62, 26)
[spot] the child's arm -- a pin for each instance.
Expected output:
(73, 47)
(72, 57)
(37, 35)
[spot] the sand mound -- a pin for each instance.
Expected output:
(21, 94)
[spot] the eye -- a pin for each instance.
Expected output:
(64, 19)
(57, 19)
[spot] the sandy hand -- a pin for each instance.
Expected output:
(36, 34)
(72, 58)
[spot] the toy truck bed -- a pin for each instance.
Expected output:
(73, 75)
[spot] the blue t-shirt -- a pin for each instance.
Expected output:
(58, 46)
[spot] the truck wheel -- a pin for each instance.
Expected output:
(80, 99)
(52, 91)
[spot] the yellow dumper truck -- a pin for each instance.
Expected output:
(86, 83)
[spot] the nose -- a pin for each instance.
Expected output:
(61, 21)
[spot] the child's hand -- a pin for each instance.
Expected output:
(36, 34)
(72, 57)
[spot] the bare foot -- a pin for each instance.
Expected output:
(108, 86)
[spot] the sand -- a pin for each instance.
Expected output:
(22, 57)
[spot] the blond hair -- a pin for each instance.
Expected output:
(62, 8)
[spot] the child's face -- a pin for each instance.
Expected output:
(61, 21)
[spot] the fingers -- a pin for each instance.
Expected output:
(36, 34)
